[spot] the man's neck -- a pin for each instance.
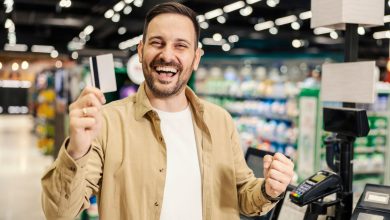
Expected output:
(175, 103)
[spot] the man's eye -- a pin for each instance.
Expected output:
(156, 43)
(182, 46)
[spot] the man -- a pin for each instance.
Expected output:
(163, 153)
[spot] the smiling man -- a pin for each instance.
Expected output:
(163, 154)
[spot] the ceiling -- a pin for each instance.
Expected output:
(43, 22)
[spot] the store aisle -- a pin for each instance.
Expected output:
(21, 167)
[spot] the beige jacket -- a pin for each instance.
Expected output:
(125, 167)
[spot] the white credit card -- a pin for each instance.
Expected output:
(103, 72)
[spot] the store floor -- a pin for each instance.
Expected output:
(21, 167)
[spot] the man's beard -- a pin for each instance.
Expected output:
(152, 81)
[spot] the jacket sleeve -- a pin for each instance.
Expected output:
(68, 184)
(251, 200)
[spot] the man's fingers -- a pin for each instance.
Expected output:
(280, 157)
(83, 122)
(267, 160)
(89, 100)
(89, 112)
(279, 176)
(282, 167)
(87, 90)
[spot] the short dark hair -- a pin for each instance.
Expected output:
(172, 8)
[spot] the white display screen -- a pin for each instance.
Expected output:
(376, 197)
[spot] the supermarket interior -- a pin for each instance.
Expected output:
(262, 61)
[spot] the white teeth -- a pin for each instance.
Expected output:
(166, 69)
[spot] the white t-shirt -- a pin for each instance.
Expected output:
(183, 188)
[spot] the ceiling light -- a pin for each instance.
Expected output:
(273, 30)
(88, 30)
(15, 67)
(42, 48)
(264, 25)
(322, 30)
(388, 3)
(234, 6)
(217, 37)
(127, 10)
(334, 35)
(9, 6)
(130, 43)
(58, 64)
(65, 3)
(204, 25)
(200, 45)
(386, 19)
(221, 19)
(295, 25)
(1, 66)
(200, 18)
(9, 23)
(226, 47)
(214, 13)
(286, 20)
(272, 3)
(361, 31)
(54, 54)
(233, 38)
(116, 18)
(109, 13)
(75, 55)
(16, 47)
(297, 43)
(122, 30)
(82, 35)
(24, 65)
(246, 11)
(128, 1)
(252, 1)
(119, 6)
(305, 15)
(138, 3)
(212, 42)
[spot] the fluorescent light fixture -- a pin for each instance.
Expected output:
(82, 35)
(212, 42)
(297, 43)
(24, 65)
(88, 30)
(116, 18)
(131, 42)
(9, 23)
(128, 1)
(1, 65)
(200, 18)
(75, 55)
(234, 6)
(233, 38)
(305, 15)
(119, 6)
(272, 3)
(246, 11)
(361, 31)
(9, 6)
(54, 54)
(16, 47)
(381, 35)
(127, 10)
(386, 18)
(286, 20)
(214, 13)
(217, 37)
(200, 45)
(252, 1)
(322, 30)
(264, 25)
(295, 25)
(226, 47)
(109, 13)
(221, 19)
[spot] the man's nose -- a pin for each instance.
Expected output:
(167, 54)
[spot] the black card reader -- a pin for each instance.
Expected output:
(319, 185)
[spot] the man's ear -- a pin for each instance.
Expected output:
(139, 50)
(198, 55)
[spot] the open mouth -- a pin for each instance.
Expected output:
(166, 71)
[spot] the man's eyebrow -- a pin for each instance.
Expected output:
(155, 37)
(183, 40)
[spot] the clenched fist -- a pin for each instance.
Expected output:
(85, 121)
(278, 172)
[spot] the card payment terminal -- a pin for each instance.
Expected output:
(319, 185)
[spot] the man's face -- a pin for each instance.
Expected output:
(168, 55)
